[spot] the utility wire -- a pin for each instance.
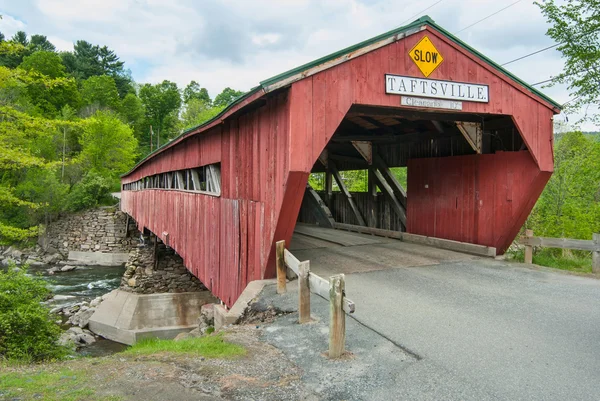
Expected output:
(420, 12)
(549, 47)
(489, 16)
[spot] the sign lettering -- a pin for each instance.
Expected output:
(426, 56)
(411, 86)
(431, 103)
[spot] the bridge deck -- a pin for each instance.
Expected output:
(334, 251)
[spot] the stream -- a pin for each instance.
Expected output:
(83, 284)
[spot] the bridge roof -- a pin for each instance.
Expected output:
(298, 73)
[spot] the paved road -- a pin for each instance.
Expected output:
(484, 329)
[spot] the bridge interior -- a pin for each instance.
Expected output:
(332, 251)
(375, 146)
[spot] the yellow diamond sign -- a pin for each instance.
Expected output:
(426, 56)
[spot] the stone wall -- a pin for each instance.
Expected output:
(143, 276)
(101, 229)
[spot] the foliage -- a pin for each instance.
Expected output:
(89, 192)
(562, 259)
(108, 145)
(211, 346)
(161, 102)
(198, 111)
(194, 92)
(44, 62)
(226, 97)
(575, 26)
(27, 330)
(100, 91)
(569, 207)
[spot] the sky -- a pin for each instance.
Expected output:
(238, 43)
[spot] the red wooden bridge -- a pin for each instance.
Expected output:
(477, 142)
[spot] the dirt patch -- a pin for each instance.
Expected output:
(264, 373)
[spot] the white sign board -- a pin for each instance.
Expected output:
(433, 103)
(411, 86)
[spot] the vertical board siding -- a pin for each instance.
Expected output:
(267, 154)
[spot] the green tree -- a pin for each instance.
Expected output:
(41, 43)
(21, 38)
(11, 54)
(226, 97)
(162, 103)
(133, 113)
(194, 91)
(100, 91)
(108, 145)
(575, 26)
(44, 62)
(570, 204)
(197, 111)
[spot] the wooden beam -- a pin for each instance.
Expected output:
(303, 292)
(528, 248)
(318, 285)
(473, 249)
(472, 133)
(390, 178)
(337, 318)
(348, 159)
(396, 204)
(561, 243)
(328, 186)
(596, 254)
(319, 208)
(281, 270)
(372, 218)
(365, 149)
(342, 186)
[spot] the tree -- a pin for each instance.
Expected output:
(227, 96)
(162, 103)
(21, 38)
(11, 54)
(45, 62)
(575, 26)
(108, 145)
(197, 112)
(133, 114)
(100, 91)
(194, 91)
(41, 43)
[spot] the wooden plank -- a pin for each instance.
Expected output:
(303, 292)
(340, 182)
(327, 234)
(398, 208)
(317, 284)
(319, 208)
(596, 254)
(562, 243)
(280, 260)
(337, 318)
(528, 248)
(390, 178)
(473, 249)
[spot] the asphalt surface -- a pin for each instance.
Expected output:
(475, 329)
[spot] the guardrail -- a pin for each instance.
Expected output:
(563, 243)
(308, 282)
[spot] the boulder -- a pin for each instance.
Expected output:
(95, 302)
(34, 262)
(76, 337)
(67, 268)
(82, 317)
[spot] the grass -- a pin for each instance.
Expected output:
(63, 384)
(208, 346)
(580, 262)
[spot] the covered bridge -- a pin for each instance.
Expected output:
(476, 140)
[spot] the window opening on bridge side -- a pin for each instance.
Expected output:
(204, 179)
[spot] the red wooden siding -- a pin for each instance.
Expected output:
(482, 199)
(266, 155)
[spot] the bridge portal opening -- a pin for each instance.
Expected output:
(378, 157)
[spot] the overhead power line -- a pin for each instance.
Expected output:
(420, 12)
(550, 47)
(489, 16)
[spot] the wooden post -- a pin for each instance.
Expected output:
(337, 318)
(280, 261)
(328, 187)
(528, 248)
(596, 254)
(303, 292)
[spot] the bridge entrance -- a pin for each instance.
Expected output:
(376, 159)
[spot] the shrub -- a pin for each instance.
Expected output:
(91, 191)
(27, 329)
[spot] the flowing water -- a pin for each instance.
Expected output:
(83, 284)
